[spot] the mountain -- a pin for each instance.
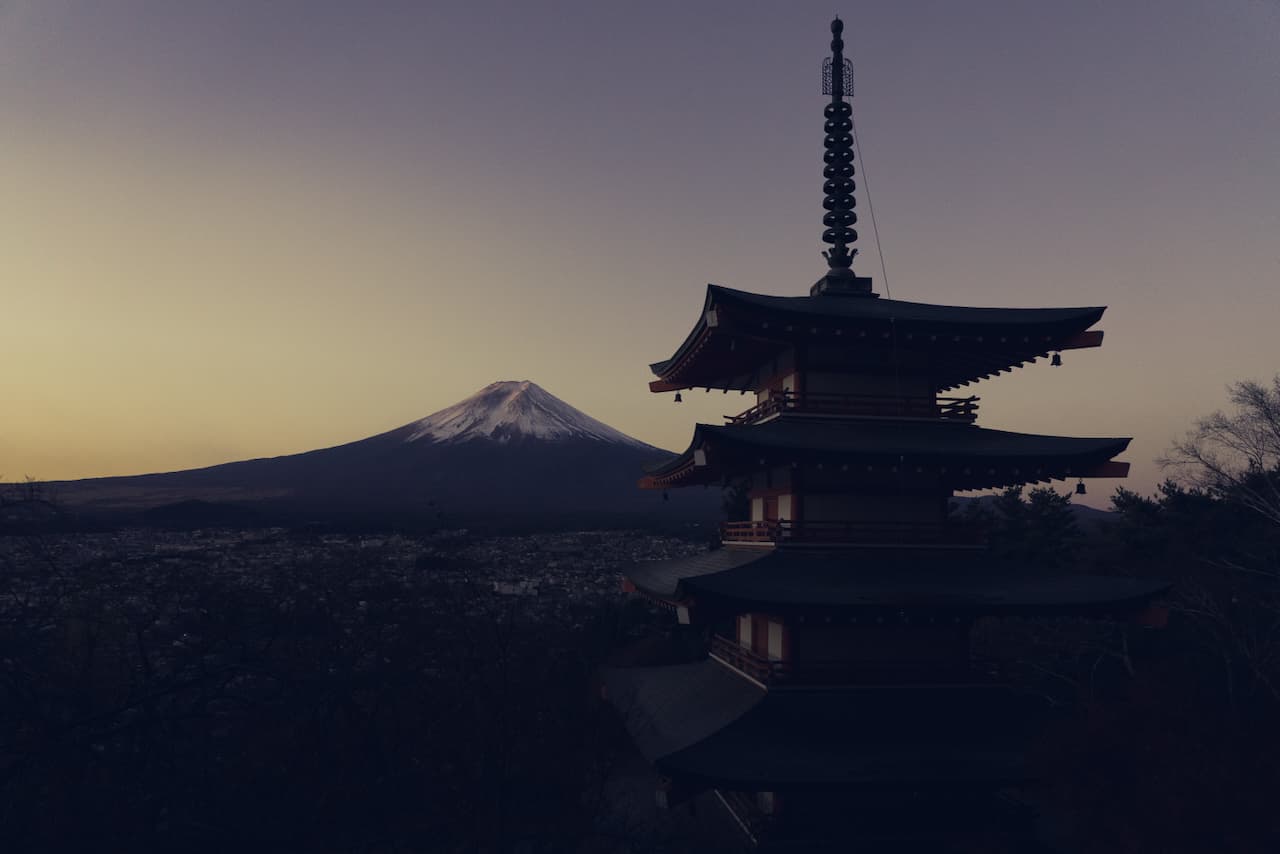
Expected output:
(507, 412)
(511, 449)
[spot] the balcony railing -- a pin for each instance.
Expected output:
(746, 809)
(740, 658)
(964, 409)
(939, 670)
(849, 533)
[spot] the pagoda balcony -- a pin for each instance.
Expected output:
(966, 671)
(841, 533)
(759, 668)
(962, 409)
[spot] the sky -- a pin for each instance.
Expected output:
(256, 227)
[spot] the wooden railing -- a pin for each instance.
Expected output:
(747, 810)
(964, 409)
(849, 533)
(737, 656)
(963, 670)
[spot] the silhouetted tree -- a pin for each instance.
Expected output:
(1236, 455)
(1039, 528)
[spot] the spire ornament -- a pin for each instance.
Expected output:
(837, 81)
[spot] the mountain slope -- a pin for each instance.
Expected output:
(512, 448)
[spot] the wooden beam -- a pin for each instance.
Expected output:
(1092, 338)
(1111, 468)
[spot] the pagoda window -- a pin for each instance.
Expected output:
(785, 507)
(765, 802)
(775, 645)
(765, 508)
(744, 631)
(760, 635)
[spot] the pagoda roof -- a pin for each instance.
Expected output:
(707, 724)
(919, 581)
(968, 342)
(973, 457)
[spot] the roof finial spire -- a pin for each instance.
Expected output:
(837, 81)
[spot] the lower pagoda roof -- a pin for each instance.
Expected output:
(968, 457)
(964, 343)
(931, 582)
(705, 724)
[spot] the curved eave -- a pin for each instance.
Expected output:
(737, 331)
(1096, 597)
(874, 582)
(965, 456)
(661, 579)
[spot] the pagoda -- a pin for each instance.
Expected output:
(832, 698)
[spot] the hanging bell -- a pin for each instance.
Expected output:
(1080, 490)
(1056, 361)
(678, 397)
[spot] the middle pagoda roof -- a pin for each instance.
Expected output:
(738, 331)
(942, 583)
(966, 456)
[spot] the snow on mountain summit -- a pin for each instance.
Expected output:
(507, 411)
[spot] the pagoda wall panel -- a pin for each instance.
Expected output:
(848, 507)
(775, 480)
(855, 479)
(778, 374)
(766, 636)
(871, 358)
(871, 642)
(878, 385)
(771, 506)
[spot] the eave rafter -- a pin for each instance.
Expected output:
(706, 465)
(960, 357)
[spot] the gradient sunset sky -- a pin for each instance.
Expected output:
(253, 227)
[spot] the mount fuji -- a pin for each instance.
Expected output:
(506, 412)
(512, 449)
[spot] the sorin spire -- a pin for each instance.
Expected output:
(837, 81)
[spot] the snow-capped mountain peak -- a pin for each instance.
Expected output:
(508, 411)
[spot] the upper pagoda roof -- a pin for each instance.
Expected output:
(940, 583)
(973, 457)
(738, 331)
(704, 723)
